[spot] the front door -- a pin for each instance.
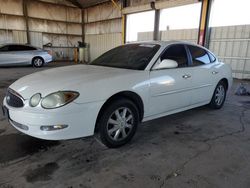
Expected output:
(170, 89)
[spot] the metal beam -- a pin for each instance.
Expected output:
(25, 14)
(203, 36)
(99, 2)
(83, 26)
(123, 21)
(156, 25)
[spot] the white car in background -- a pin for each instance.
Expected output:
(18, 54)
(127, 85)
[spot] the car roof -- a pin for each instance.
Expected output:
(15, 44)
(11, 44)
(169, 42)
(165, 43)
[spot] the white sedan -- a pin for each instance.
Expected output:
(127, 85)
(19, 54)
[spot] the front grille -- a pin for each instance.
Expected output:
(13, 99)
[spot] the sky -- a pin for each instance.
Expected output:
(224, 13)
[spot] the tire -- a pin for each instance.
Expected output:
(118, 123)
(219, 96)
(37, 62)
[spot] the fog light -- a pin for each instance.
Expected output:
(53, 127)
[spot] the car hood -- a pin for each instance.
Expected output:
(81, 78)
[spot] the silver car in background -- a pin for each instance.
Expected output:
(18, 54)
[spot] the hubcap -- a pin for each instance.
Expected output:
(120, 124)
(38, 62)
(219, 95)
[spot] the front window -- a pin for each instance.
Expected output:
(130, 56)
(177, 53)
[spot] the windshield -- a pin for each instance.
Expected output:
(130, 56)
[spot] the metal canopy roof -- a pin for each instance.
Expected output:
(86, 3)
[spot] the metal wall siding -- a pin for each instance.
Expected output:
(74, 15)
(110, 26)
(53, 12)
(11, 7)
(6, 36)
(232, 45)
(189, 35)
(36, 39)
(102, 12)
(19, 37)
(99, 44)
(42, 10)
(144, 36)
(12, 22)
(54, 27)
(74, 29)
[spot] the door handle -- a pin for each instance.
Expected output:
(186, 76)
(215, 72)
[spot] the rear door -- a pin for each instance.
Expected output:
(170, 88)
(21, 54)
(5, 57)
(205, 74)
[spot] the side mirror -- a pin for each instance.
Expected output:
(166, 64)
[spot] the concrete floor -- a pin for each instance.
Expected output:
(196, 148)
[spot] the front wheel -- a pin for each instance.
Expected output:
(219, 96)
(118, 123)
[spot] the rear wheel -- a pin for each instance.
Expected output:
(37, 62)
(219, 96)
(118, 123)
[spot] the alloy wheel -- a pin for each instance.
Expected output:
(120, 124)
(219, 95)
(38, 62)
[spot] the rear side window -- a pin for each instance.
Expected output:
(199, 56)
(14, 48)
(28, 48)
(177, 53)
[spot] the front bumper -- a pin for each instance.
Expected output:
(79, 118)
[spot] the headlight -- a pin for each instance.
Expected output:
(35, 99)
(58, 99)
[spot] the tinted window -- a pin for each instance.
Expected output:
(199, 56)
(176, 53)
(4, 49)
(130, 56)
(28, 48)
(20, 48)
(14, 48)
